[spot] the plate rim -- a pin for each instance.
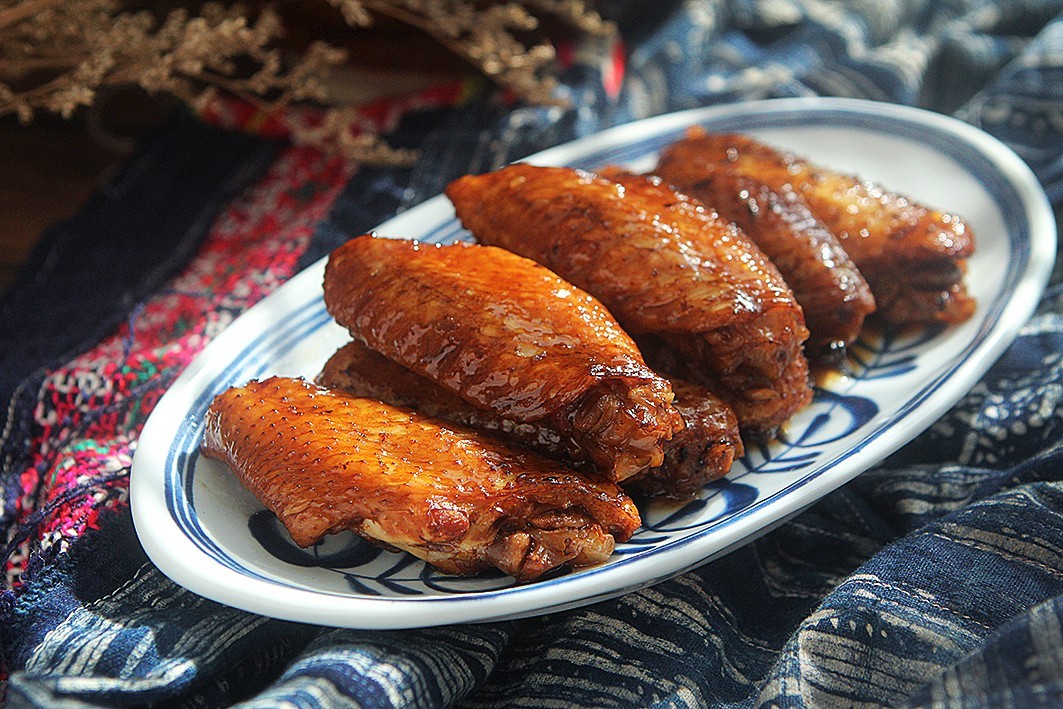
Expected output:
(305, 605)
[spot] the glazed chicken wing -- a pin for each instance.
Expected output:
(358, 370)
(704, 450)
(663, 265)
(913, 257)
(326, 462)
(831, 290)
(508, 336)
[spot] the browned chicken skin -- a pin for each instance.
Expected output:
(704, 450)
(326, 462)
(358, 370)
(831, 290)
(663, 265)
(912, 256)
(509, 336)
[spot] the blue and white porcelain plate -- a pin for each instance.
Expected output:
(204, 530)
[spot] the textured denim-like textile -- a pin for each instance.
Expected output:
(935, 578)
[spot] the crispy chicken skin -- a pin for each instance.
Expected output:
(831, 290)
(704, 450)
(508, 336)
(662, 264)
(913, 257)
(326, 462)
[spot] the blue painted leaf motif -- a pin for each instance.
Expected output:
(400, 586)
(734, 496)
(489, 580)
(402, 562)
(356, 584)
(778, 460)
(380, 584)
(738, 496)
(836, 416)
(270, 533)
(422, 577)
(390, 579)
(889, 351)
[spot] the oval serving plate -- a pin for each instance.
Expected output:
(206, 532)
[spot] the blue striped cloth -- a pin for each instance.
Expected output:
(935, 578)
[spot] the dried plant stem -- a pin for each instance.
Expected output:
(56, 55)
(17, 13)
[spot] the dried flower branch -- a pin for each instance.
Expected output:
(57, 55)
(484, 36)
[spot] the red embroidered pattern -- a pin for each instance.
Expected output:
(376, 117)
(91, 410)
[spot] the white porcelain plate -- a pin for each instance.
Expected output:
(204, 530)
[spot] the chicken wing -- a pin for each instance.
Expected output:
(704, 450)
(326, 462)
(663, 265)
(509, 336)
(358, 370)
(913, 257)
(831, 290)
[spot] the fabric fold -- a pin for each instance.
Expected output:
(934, 578)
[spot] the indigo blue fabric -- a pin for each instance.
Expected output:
(934, 579)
